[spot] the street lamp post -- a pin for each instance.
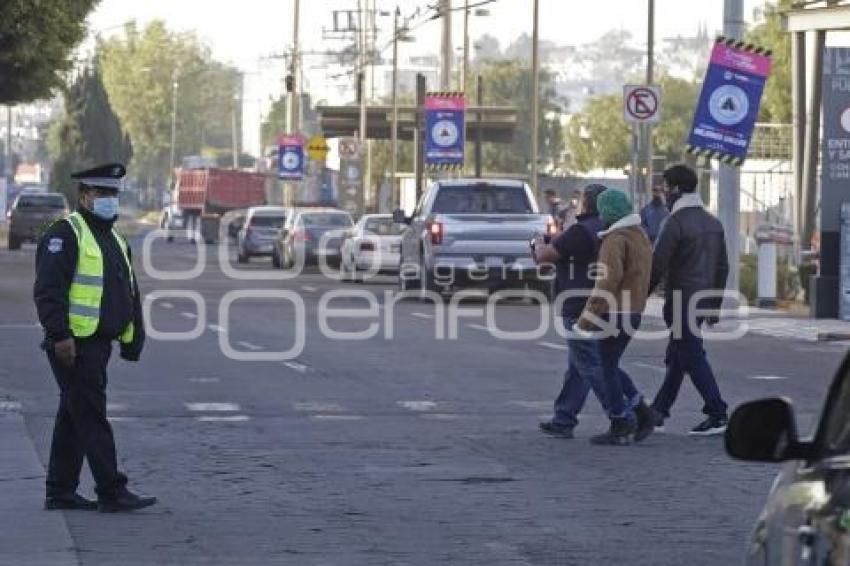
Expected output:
(399, 34)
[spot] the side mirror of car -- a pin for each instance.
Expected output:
(764, 431)
(399, 217)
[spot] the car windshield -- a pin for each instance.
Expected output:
(41, 201)
(383, 227)
(268, 221)
(328, 219)
(482, 199)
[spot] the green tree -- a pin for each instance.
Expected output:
(142, 72)
(37, 38)
(679, 99)
(89, 134)
(509, 83)
(776, 101)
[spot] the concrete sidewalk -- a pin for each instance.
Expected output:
(776, 323)
(29, 535)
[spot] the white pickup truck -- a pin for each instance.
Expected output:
(473, 233)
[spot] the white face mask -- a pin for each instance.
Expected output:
(105, 208)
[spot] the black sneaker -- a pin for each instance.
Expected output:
(619, 434)
(658, 419)
(646, 419)
(557, 429)
(710, 426)
(69, 502)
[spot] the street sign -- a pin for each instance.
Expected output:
(290, 160)
(729, 101)
(317, 148)
(349, 148)
(444, 129)
(641, 104)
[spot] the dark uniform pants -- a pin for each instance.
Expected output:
(81, 428)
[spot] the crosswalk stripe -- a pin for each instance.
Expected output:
(212, 407)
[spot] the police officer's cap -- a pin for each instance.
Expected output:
(109, 176)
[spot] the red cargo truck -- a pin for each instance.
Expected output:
(206, 194)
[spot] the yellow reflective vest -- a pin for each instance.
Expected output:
(86, 291)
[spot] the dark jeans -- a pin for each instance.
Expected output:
(81, 429)
(594, 363)
(685, 354)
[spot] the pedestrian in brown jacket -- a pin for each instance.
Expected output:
(612, 314)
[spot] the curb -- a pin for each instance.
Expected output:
(832, 336)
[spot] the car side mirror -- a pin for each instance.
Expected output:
(764, 431)
(399, 217)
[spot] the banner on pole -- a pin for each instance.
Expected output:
(445, 129)
(290, 157)
(729, 101)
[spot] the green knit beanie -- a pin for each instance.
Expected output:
(613, 205)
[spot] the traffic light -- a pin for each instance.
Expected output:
(289, 82)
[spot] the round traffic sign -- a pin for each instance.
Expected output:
(641, 104)
(290, 160)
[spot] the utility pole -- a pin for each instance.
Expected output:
(175, 84)
(421, 88)
(479, 100)
(7, 169)
(233, 135)
(446, 60)
(535, 97)
(465, 45)
(295, 94)
(361, 86)
(394, 133)
(729, 180)
(646, 145)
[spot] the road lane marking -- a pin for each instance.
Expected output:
(422, 315)
(553, 346)
(189, 315)
(116, 406)
(22, 326)
(217, 329)
(121, 419)
(204, 379)
(9, 407)
(532, 404)
(249, 346)
(166, 305)
(318, 407)
(309, 288)
(223, 419)
(652, 367)
(337, 417)
(767, 377)
(418, 405)
(301, 368)
(478, 327)
(212, 407)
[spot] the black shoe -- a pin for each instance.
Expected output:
(658, 419)
(556, 429)
(69, 502)
(619, 434)
(646, 419)
(126, 501)
(710, 426)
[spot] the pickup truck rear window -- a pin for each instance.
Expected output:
(41, 201)
(481, 199)
(268, 221)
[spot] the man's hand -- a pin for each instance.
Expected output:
(130, 354)
(537, 245)
(65, 351)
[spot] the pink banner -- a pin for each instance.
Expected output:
(740, 60)
(290, 140)
(443, 102)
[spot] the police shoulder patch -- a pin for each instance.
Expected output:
(54, 245)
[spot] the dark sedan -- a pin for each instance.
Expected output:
(312, 236)
(807, 516)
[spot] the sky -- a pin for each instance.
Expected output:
(241, 32)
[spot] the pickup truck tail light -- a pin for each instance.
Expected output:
(437, 231)
(551, 227)
(367, 246)
(300, 235)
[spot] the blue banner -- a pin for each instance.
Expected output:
(290, 158)
(444, 129)
(729, 101)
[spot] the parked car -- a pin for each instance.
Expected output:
(171, 220)
(257, 235)
(374, 244)
(311, 234)
(807, 516)
(473, 233)
(31, 213)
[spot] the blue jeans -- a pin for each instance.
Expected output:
(594, 363)
(686, 354)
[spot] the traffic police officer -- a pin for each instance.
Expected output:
(87, 296)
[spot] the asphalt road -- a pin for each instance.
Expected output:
(400, 449)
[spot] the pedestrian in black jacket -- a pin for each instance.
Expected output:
(87, 296)
(690, 254)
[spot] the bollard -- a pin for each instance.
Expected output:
(766, 273)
